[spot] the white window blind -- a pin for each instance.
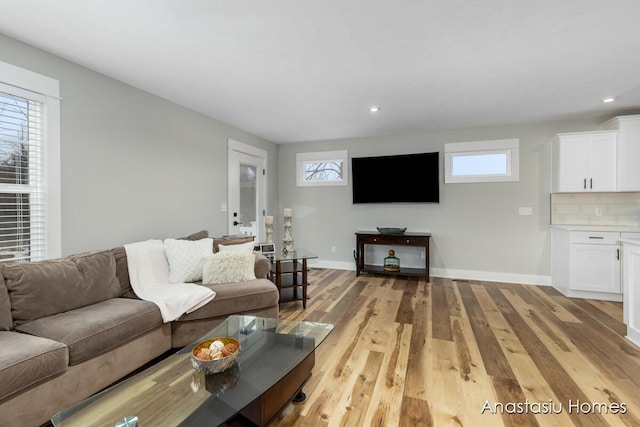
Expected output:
(22, 196)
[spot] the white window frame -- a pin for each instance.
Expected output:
(15, 81)
(509, 147)
(303, 159)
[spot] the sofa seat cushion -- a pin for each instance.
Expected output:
(26, 360)
(234, 298)
(96, 329)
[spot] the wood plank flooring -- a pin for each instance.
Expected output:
(463, 353)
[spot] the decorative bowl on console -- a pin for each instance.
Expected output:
(215, 355)
(389, 230)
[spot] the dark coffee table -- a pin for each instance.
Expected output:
(275, 361)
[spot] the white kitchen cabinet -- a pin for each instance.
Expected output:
(584, 161)
(586, 264)
(628, 151)
(595, 267)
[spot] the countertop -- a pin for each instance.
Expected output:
(618, 228)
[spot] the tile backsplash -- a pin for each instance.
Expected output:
(595, 209)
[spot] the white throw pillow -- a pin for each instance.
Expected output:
(186, 258)
(240, 247)
(229, 267)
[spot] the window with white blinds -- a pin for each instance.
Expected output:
(22, 190)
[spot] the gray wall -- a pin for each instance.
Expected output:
(476, 229)
(134, 166)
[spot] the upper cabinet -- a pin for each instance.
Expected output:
(584, 161)
(628, 151)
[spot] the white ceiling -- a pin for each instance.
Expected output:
(301, 70)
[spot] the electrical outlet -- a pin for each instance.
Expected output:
(422, 254)
(223, 207)
(333, 249)
(598, 211)
(525, 211)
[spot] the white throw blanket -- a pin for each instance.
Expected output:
(149, 276)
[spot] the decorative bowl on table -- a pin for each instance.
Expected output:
(215, 355)
(391, 230)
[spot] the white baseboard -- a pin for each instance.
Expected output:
(487, 276)
(336, 265)
(604, 296)
(633, 335)
(492, 276)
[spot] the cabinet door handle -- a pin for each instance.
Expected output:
(618, 254)
(596, 237)
(585, 183)
(591, 183)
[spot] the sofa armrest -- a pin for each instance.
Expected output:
(262, 266)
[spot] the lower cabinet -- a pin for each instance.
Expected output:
(595, 267)
(587, 264)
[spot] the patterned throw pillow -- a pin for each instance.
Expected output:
(239, 247)
(229, 267)
(230, 240)
(186, 258)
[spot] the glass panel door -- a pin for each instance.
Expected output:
(247, 190)
(248, 215)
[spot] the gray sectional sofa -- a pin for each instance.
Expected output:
(73, 326)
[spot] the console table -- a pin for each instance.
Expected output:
(405, 239)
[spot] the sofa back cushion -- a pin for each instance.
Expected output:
(43, 288)
(6, 321)
(202, 234)
(122, 272)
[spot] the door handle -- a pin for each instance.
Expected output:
(585, 183)
(236, 223)
(591, 183)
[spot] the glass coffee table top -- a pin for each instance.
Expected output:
(172, 393)
(297, 254)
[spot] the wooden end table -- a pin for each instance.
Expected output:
(289, 271)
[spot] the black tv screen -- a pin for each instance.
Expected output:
(406, 178)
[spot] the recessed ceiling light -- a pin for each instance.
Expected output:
(374, 109)
(607, 100)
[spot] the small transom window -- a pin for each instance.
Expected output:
(482, 161)
(322, 168)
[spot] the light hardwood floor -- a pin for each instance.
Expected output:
(405, 352)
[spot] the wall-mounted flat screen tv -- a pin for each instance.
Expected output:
(405, 178)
